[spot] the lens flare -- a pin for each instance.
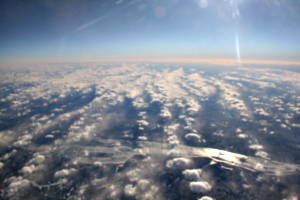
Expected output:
(237, 47)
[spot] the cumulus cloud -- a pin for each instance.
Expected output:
(139, 103)
(259, 167)
(130, 190)
(38, 159)
(98, 163)
(28, 169)
(16, 185)
(192, 174)
(142, 138)
(64, 173)
(142, 190)
(173, 140)
(256, 146)
(262, 154)
(205, 198)
(192, 137)
(142, 123)
(178, 163)
(200, 187)
(23, 140)
(242, 135)
(165, 113)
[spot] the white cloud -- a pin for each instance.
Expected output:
(139, 103)
(130, 190)
(28, 169)
(38, 159)
(259, 167)
(8, 155)
(262, 154)
(192, 137)
(192, 174)
(165, 113)
(143, 184)
(173, 153)
(64, 172)
(219, 133)
(173, 140)
(200, 187)
(283, 125)
(142, 138)
(291, 197)
(256, 146)
(16, 184)
(98, 163)
(261, 111)
(142, 190)
(134, 174)
(205, 198)
(178, 163)
(142, 122)
(242, 135)
(238, 130)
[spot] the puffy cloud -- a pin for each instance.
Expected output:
(28, 169)
(256, 146)
(259, 167)
(64, 172)
(173, 140)
(130, 190)
(192, 174)
(165, 113)
(242, 135)
(23, 140)
(238, 130)
(262, 154)
(291, 197)
(178, 163)
(142, 190)
(206, 198)
(261, 111)
(143, 184)
(171, 130)
(15, 185)
(38, 159)
(173, 153)
(192, 106)
(134, 174)
(8, 155)
(142, 138)
(139, 103)
(192, 137)
(142, 122)
(98, 163)
(200, 187)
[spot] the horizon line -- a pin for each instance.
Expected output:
(216, 61)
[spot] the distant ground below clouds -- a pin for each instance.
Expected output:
(65, 129)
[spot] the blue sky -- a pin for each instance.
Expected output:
(49, 29)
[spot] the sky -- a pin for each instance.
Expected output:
(204, 29)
